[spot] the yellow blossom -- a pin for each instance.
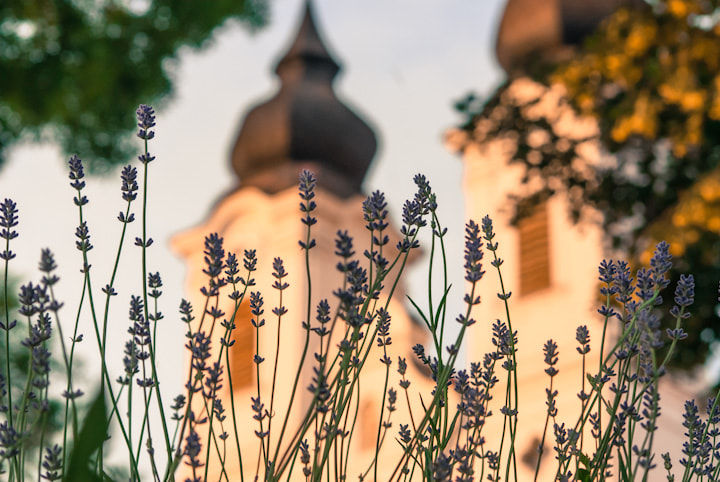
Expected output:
(692, 100)
(677, 8)
(613, 64)
(679, 220)
(709, 190)
(677, 249)
(690, 236)
(713, 224)
(639, 39)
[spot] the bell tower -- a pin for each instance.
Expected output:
(303, 125)
(550, 263)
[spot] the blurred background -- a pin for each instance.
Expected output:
(428, 79)
(73, 74)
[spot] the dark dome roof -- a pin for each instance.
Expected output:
(304, 125)
(543, 26)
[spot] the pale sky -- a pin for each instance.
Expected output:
(404, 65)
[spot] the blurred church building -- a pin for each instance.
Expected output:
(550, 264)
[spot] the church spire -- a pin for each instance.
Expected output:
(308, 49)
(304, 125)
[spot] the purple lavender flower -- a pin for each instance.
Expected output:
(260, 413)
(52, 463)
(154, 282)
(473, 253)
(343, 249)
(129, 186)
(213, 380)
(40, 366)
(582, 335)
(256, 303)
(250, 265)
(684, 297)
(214, 255)
(146, 121)
(412, 216)
(488, 233)
(145, 157)
(193, 447)
(645, 284)
(442, 468)
(624, 283)
(9, 440)
(307, 205)
(383, 336)
(697, 448)
(419, 351)
(320, 390)
(551, 357)
(392, 400)
(47, 265)
(186, 311)
(77, 172)
(661, 262)
(375, 214)
(402, 369)
(651, 408)
(178, 404)
(130, 363)
(8, 220)
(425, 196)
(279, 273)
(375, 211)
(323, 317)
(200, 349)
(352, 296)
(76, 176)
(31, 299)
(607, 271)
(404, 433)
(305, 457)
(145, 382)
(232, 269)
(83, 234)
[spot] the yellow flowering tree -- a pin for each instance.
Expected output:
(649, 77)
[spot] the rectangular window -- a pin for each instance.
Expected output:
(241, 353)
(534, 243)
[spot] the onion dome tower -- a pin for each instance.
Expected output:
(304, 125)
(548, 27)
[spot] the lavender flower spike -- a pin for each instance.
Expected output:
(129, 183)
(473, 253)
(76, 172)
(661, 263)
(146, 120)
(8, 220)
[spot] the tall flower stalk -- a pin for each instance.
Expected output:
(442, 425)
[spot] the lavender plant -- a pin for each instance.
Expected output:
(442, 432)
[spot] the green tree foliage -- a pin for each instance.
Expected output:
(650, 79)
(71, 68)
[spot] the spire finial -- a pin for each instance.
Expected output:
(308, 49)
